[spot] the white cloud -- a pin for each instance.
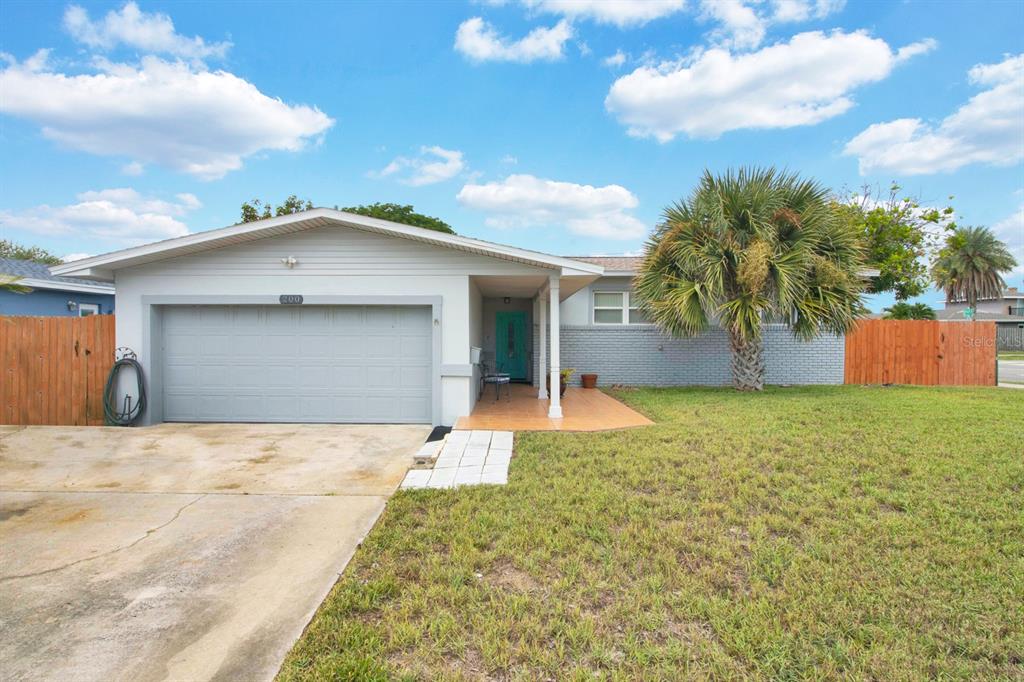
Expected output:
(480, 42)
(510, 160)
(133, 168)
(76, 256)
(621, 13)
(1011, 231)
(741, 26)
(120, 215)
(804, 10)
(435, 164)
(801, 82)
(525, 201)
(150, 33)
(987, 129)
(168, 113)
(616, 60)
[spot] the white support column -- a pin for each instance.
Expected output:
(542, 391)
(555, 407)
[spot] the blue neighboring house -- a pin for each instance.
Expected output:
(51, 295)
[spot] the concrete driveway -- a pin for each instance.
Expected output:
(180, 551)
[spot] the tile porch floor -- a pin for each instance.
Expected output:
(583, 409)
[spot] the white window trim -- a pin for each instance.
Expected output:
(94, 307)
(625, 308)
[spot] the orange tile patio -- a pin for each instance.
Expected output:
(582, 410)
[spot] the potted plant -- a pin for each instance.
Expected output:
(588, 380)
(563, 377)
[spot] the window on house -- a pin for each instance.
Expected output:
(615, 307)
(86, 309)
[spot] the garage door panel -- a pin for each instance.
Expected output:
(286, 364)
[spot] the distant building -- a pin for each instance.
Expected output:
(1007, 312)
(52, 295)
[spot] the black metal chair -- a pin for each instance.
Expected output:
(490, 375)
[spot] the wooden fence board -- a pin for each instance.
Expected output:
(53, 369)
(923, 352)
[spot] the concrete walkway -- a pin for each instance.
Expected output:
(466, 458)
(179, 552)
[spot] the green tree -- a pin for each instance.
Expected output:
(901, 310)
(38, 254)
(397, 213)
(971, 264)
(898, 233)
(257, 210)
(747, 247)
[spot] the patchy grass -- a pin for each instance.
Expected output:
(804, 533)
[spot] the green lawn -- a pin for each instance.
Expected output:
(804, 533)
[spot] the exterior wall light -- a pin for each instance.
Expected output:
(290, 262)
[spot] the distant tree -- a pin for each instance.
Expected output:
(970, 264)
(398, 213)
(898, 234)
(257, 210)
(37, 254)
(901, 310)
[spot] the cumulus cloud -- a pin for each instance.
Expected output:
(151, 33)
(803, 10)
(621, 13)
(120, 215)
(481, 42)
(741, 26)
(616, 60)
(169, 113)
(434, 164)
(1011, 231)
(987, 129)
(526, 201)
(801, 82)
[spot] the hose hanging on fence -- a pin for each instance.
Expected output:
(128, 414)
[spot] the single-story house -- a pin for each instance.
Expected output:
(51, 295)
(326, 316)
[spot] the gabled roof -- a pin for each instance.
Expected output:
(38, 276)
(103, 266)
(613, 264)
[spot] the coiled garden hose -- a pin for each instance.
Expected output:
(128, 414)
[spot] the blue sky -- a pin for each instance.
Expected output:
(560, 125)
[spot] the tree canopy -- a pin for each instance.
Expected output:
(970, 265)
(901, 310)
(397, 213)
(38, 254)
(747, 247)
(898, 234)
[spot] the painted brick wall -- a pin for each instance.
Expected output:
(643, 356)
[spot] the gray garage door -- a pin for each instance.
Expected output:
(297, 363)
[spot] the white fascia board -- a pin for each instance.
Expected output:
(66, 286)
(169, 247)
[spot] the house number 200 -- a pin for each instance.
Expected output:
(290, 299)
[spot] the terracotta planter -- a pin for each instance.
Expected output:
(589, 380)
(562, 387)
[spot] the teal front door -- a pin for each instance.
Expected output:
(510, 343)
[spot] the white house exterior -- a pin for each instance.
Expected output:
(388, 316)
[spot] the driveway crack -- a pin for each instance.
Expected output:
(148, 533)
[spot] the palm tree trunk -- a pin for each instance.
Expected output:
(747, 363)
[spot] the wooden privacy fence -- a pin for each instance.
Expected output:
(54, 369)
(924, 352)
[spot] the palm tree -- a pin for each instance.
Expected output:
(901, 310)
(748, 247)
(10, 283)
(970, 266)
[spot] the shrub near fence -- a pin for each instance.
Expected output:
(54, 369)
(924, 352)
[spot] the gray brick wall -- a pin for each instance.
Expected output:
(644, 356)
